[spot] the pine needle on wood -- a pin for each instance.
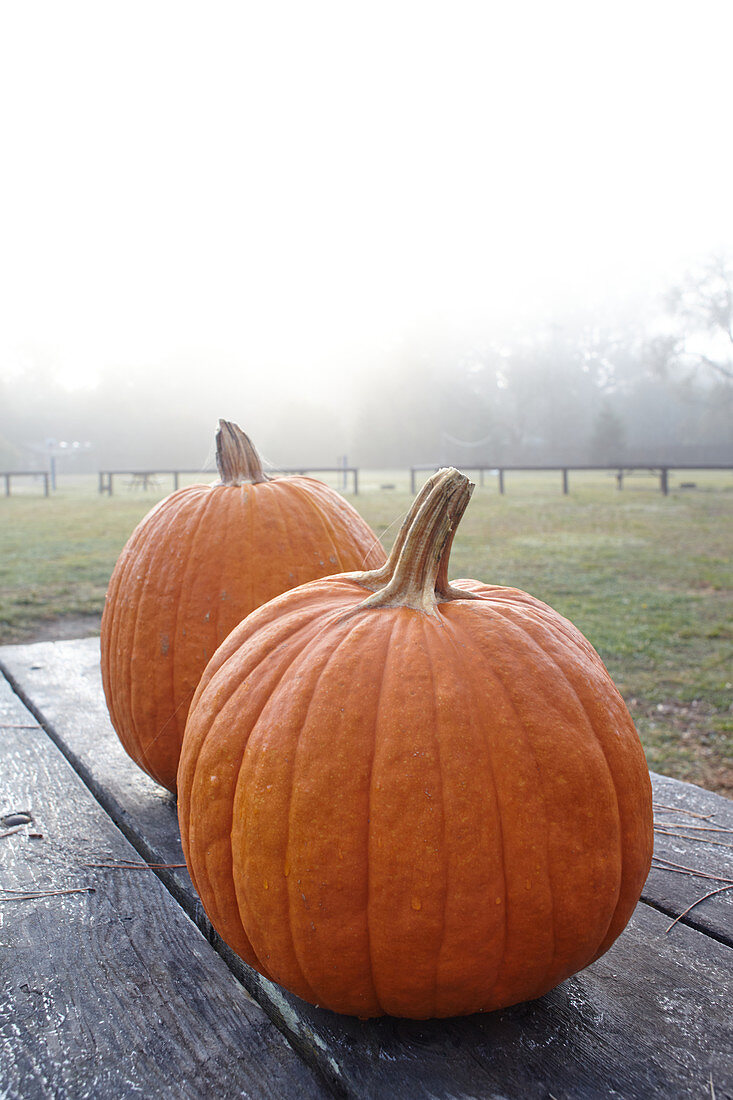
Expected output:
(125, 866)
(682, 870)
(688, 836)
(679, 810)
(712, 893)
(20, 895)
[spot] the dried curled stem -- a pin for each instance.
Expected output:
(416, 572)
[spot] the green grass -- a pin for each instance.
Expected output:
(647, 578)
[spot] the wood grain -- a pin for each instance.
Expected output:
(110, 991)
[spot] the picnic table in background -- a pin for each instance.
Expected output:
(115, 983)
(34, 475)
(143, 480)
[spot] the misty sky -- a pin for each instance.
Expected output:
(303, 186)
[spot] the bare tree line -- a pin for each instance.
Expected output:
(656, 386)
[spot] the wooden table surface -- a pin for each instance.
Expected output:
(114, 984)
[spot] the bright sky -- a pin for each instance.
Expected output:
(301, 185)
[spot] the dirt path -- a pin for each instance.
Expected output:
(58, 630)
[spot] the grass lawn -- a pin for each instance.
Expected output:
(647, 578)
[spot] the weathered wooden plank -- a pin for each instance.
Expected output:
(647, 1019)
(62, 683)
(684, 840)
(111, 991)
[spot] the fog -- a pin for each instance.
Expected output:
(381, 231)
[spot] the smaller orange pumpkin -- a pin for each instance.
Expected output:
(400, 795)
(195, 566)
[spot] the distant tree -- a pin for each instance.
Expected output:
(699, 347)
(546, 387)
(608, 437)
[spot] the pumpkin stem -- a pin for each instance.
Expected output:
(416, 572)
(236, 456)
(375, 579)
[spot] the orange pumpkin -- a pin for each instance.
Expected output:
(399, 795)
(195, 566)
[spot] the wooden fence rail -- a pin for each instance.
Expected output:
(620, 471)
(148, 479)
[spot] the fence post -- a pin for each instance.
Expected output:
(663, 484)
(565, 482)
(45, 483)
(501, 481)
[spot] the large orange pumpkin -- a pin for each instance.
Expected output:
(196, 565)
(398, 795)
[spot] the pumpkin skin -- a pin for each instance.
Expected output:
(428, 801)
(195, 566)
